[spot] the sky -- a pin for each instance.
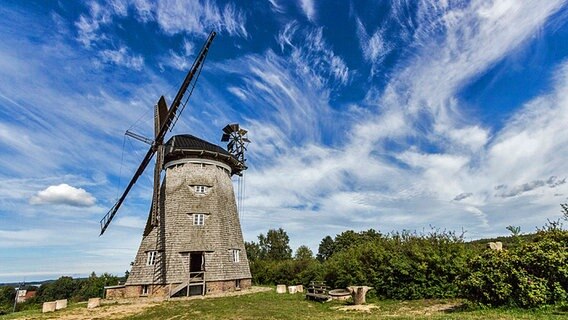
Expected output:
(392, 115)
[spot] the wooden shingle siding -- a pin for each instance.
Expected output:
(217, 237)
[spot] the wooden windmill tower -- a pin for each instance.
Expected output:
(192, 242)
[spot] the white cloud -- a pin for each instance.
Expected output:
(277, 7)
(122, 57)
(308, 6)
(313, 56)
(130, 222)
(64, 194)
(374, 47)
(24, 238)
(200, 17)
(237, 92)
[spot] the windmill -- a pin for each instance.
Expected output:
(192, 242)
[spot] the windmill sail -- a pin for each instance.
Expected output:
(165, 124)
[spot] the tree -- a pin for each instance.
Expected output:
(62, 288)
(350, 238)
(7, 296)
(326, 248)
(254, 252)
(93, 287)
(304, 253)
(275, 245)
(565, 210)
(515, 230)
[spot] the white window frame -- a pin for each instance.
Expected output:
(236, 255)
(198, 219)
(151, 258)
(200, 189)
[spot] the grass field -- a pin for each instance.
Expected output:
(269, 305)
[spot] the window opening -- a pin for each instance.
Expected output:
(198, 219)
(150, 258)
(145, 289)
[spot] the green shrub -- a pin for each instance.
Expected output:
(530, 275)
(402, 265)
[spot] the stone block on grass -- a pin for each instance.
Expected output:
(94, 303)
(48, 306)
(60, 304)
(281, 288)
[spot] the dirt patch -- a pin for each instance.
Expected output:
(108, 311)
(359, 308)
(427, 311)
(118, 309)
(225, 294)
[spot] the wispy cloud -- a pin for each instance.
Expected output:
(312, 55)
(462, 196)
(200, 17)
(308, 7)
(375, 48)
(122, 57)
(505, 192)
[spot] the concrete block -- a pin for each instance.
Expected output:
(281, 288)
(291, 289)
(48, 306)
(60, 304)
(498, 246)
(300, 288)
(94, 303)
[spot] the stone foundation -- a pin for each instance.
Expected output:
(134, 291)
(227, 285)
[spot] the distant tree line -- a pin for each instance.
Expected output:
(530, 272)
(62, 288)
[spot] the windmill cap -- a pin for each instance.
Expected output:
(189, 146)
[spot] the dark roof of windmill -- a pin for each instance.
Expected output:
(188, 141)
(187, 145)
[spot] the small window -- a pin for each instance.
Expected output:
(200, 189)
(238, 284)
(198, 219)
(145, 290)
(236, 255)
(150, 258)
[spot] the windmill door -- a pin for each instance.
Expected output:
(196, 283)
(196, 262)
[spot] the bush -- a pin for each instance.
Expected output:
(530, 275)
(285, 271)
(402, 265)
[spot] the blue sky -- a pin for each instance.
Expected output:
(389, 115)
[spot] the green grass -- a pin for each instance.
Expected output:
(34, 312)
(269, 305)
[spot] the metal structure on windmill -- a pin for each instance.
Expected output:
(236, 139)
(192, 241)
